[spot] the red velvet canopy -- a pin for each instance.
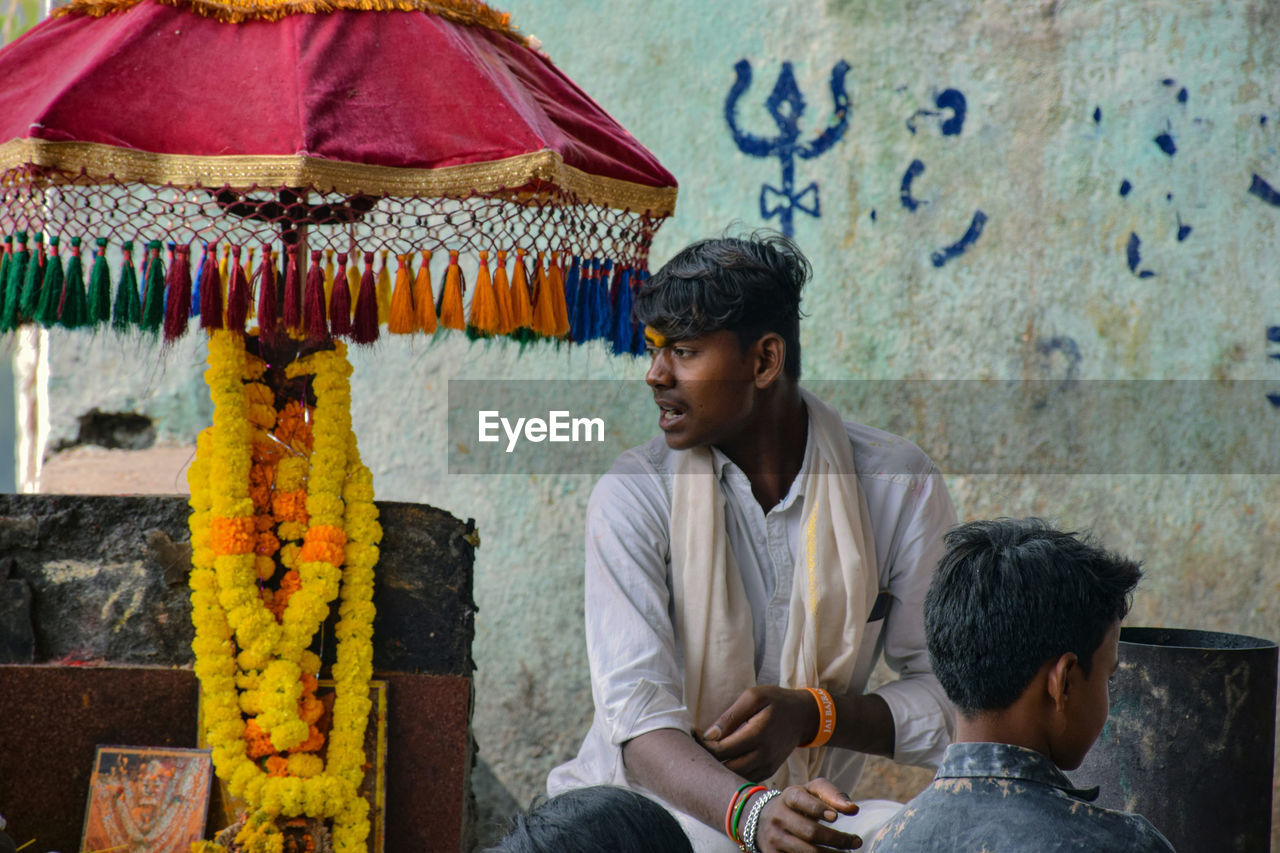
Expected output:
(311, 99)
(352, 127)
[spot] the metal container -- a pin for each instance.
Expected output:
(1190, 742)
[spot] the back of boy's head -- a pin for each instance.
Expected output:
(749, 285)
(598, 818)
(1010, 595)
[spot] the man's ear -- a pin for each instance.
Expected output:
(771, 356)
(1060, 683)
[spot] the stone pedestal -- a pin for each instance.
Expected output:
(95, 635)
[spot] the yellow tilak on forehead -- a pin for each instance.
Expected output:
(656, 339)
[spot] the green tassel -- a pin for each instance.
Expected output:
(13, 284)
(127, 310)
(74, 311)
(99, 287)
(51, 288)
(30, 299)
(153, 307)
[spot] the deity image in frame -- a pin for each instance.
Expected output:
(147, 799)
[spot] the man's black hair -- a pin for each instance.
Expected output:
(748, 285)
(1010, 595)
(593, 819)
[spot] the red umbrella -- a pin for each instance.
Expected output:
(432, 126)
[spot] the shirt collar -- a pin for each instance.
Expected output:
(1006, 761)
(722, 463)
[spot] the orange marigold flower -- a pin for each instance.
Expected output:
(309, 684)
(261, 496)
(257, 742)
(322, 552)
(290, 506)
(310, 709)
(232, 535)
(277, 766)
(268, 544)
(267, 452)
(313, 743)
(263, 522)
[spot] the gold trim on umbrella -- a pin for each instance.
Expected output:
(467, 12)
(544, 172)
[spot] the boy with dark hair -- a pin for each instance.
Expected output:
(598, 819)
(1023, 624)
(746, 570)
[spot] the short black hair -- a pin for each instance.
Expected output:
(1010, 595)
(592, 819)
(749, 285)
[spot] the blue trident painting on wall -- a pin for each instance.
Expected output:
(785, 105)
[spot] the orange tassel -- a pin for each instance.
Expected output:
(544, 312)
(502, 293)
(521, 304)
(451, 313)
(353, 282)
(384, 290)
(400, 317)
(423, 297)
(555, 279)
(328, 281)
(248, 276)
(484, 304)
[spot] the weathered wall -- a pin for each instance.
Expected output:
(1067, 191)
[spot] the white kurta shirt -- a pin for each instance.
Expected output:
(636, 657)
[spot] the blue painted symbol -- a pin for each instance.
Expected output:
(948, 99)
(1273, 337)
(962, 245)
(1264, 191)
(785, 105)
(1133, 253)
(915, 170)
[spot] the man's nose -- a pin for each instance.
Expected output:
(659, 373)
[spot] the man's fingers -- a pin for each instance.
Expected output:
(832, 796)
(742, 709)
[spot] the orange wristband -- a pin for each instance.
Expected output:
(826, 717)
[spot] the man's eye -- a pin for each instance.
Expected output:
(681, 352)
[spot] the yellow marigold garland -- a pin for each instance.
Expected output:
(249, 662)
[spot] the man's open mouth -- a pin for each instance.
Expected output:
(668, 414)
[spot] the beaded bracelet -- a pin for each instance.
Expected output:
(826, 717)
(753, 821)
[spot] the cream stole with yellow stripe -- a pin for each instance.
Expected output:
(832, 591)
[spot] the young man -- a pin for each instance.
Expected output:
(746, 570)
(1023, 625)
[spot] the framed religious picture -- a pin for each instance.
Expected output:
(146, 798)
(372, 788)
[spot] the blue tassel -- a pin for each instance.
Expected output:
(582, 323)
(601, 314)
(195, 282)
(572, 284)
(622, 333)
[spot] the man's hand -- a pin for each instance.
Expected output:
(754, 736)
(793, 822)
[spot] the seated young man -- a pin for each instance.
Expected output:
(747, 569)
(1023, 624)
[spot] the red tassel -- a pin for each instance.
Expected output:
(210, 290)
(292, 291)
(238, 295)
(177, 306)
(314, 313)
(266, 295)
(365, 330)
(340, 301)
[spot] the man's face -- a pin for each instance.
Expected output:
(704, 388)
(1090, 714)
